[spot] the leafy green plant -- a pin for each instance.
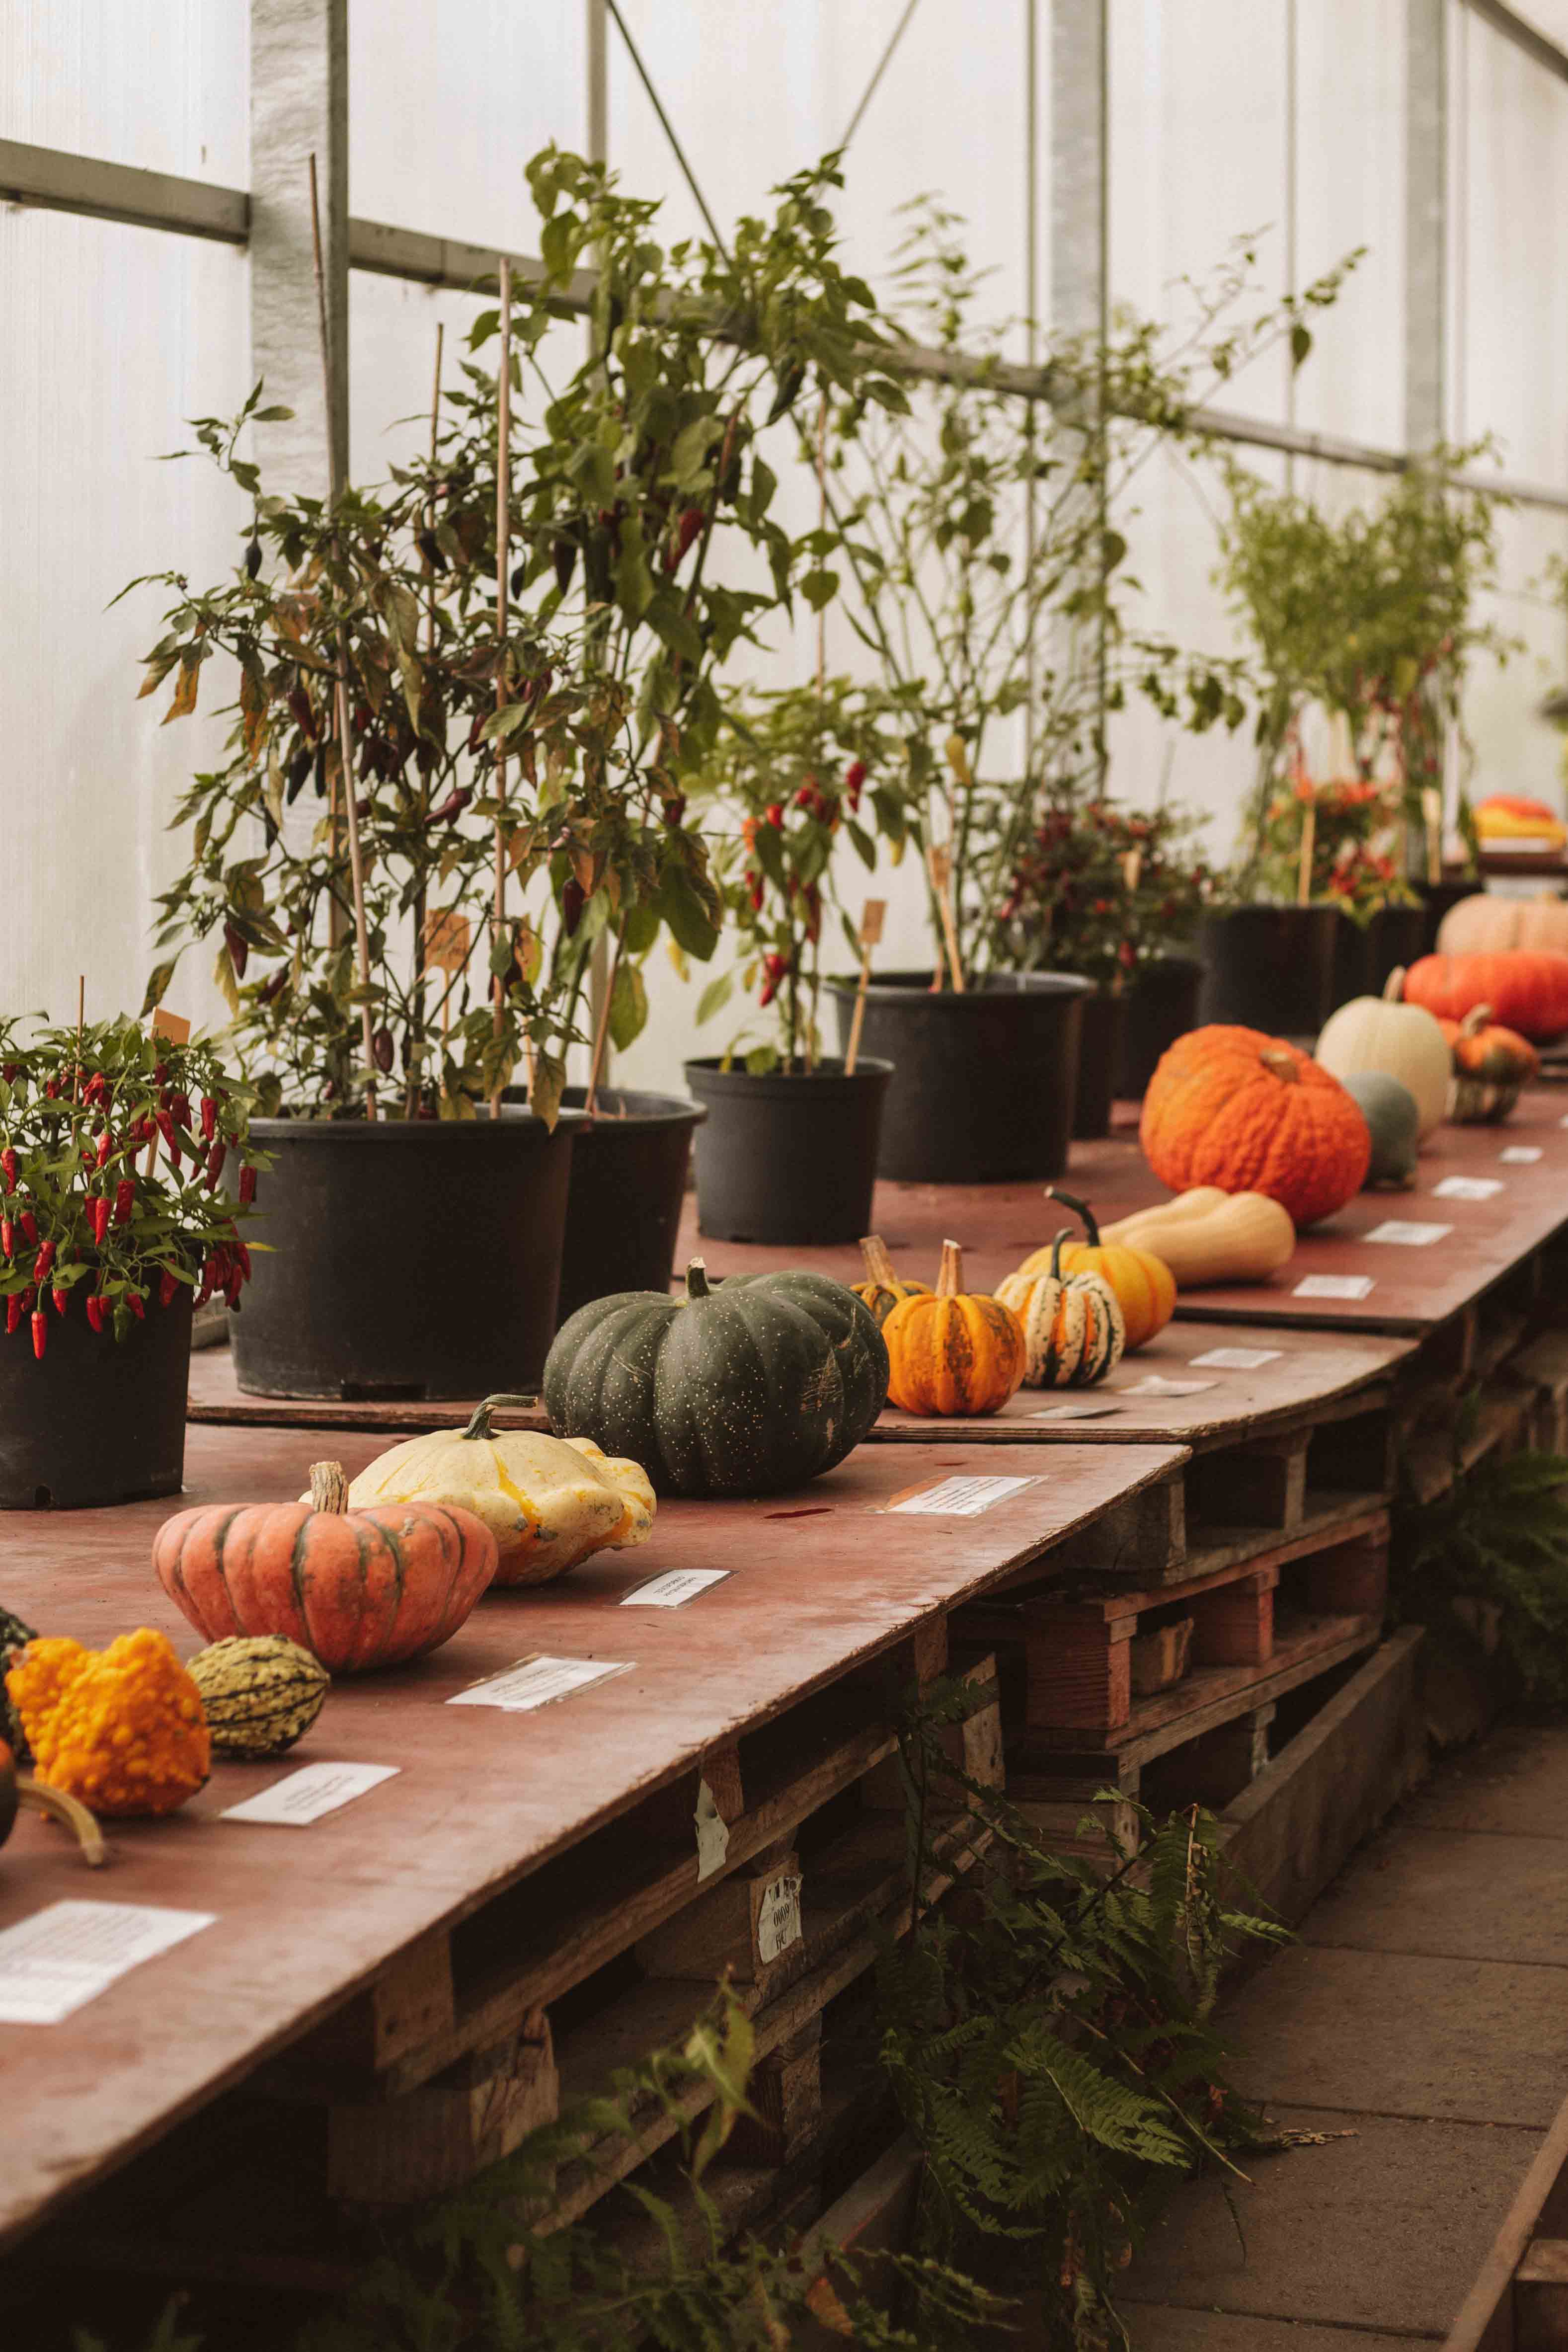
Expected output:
(1099, 889)
(1353, 864)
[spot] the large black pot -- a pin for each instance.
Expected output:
(984, 1084)
(415, 1258)
(787, 1156)
(1437, 897)
(98, 1419)
(629, 1164)
(1099, 1063)
(1365, 953)
(1269, 968)
(1162, 1005)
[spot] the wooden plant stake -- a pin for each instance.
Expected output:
(346, 729)
(872, 921)
(503, 568)
(1432, 814)
(1304, 869)
(939, 865)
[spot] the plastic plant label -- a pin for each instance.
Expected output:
(778, 1920)
(534, 1682)
(1237, 1359)
(960, 1498)
(674, 1589)
(713, 1834)
(67, 1954)
(1085, 1412)
(1520, 1155)
(309, 1793)
(1333, 1285)
(1467, 1188)
(1155, 1384)
(1410, 1234)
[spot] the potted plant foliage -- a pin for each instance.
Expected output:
(1110, 893)
(789, 1153)
(126, 1177)
(1366, 623)
(986, 567)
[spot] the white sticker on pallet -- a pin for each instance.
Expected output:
(534, 1682)
(69, 1953)
(1237, 1359)
(1076, 1412)
(1333, 1285)
(306, 1795)
(1407, 1234)
(674, 1589)
(1467, 1188)
(778, 1919)
(962, 1498)
(1155, 1384)
(713, 1834)
(1520, 1155)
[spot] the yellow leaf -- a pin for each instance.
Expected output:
(823, 2303)
(677, 955)
(958, 759)
(183, 699)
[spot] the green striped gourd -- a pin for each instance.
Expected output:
(1074, 1329)
(261, 1693)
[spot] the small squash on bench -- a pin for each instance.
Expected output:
(1491, 1067)
(1208, 1236)
(1074, 1329)
(952, 1352)
(884, 1287)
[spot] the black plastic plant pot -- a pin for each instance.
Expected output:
(1352, 960)
(95, 1420)
(629, 1164)
(1162, 1005)
(789, 1156)
(1269, 968)
(1396, 937)
(1437, 897)
(1098, 1064)
(410, 1258)
(984, 1083)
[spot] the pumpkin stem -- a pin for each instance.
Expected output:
(1080, 1208)
(1066, 1234)
(696, 1279)
(480, 1419)
(71, 1814)
(1394, 986)
(950, 1280)
(1280, 1061)
(1475, 1020)
(329, 1487)
(879, 1264)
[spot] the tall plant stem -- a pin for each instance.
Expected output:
(503, 567)
(345, 731)
(421, 897)
(601, 1028)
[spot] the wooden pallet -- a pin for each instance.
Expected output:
(1520, 2300)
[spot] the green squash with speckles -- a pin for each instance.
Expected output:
(747, 1387)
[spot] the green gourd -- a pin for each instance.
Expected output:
(747, 1387)
(1394, 1115)
(14, 1635)
(261, 1693)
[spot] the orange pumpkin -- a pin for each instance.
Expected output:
(1525, 988)
(1486, 923)
(1491, 1067)
(952, 1352)
(1251, 1114)
(883, 1286)
(1144, 1286)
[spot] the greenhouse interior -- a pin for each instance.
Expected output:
(776, 764)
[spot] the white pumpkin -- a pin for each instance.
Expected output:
(1401, 1040)
(548, 1501)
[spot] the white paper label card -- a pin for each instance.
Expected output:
(306, 1795)
(1237, 1359)
(1407, 1232)
(69, 1953)
(1519, 1155)
(960, 1498)
(778, 1920)
(1333, 1285)
(674, 1589)
(1466, 1188)
(713, 1834)
(1155, 1384)
(1085, 1412)
(534, 1682)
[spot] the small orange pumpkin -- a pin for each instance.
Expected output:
(952, 1352)
(883, 1287)
(1527, 988)
(1144, 1286)
(1250, 1113)
(1491, 1067)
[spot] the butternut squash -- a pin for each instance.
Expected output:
(1209, 1236)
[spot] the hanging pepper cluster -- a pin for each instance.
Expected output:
(116, 1146)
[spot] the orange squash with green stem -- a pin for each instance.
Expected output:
(1144, 1286)
(952, 1352)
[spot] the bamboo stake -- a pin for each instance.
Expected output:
(939, 863)
(871, 922)
(503, 589)
(1304, 870)
(1432, 811)
(601, 1028)
(346, 729)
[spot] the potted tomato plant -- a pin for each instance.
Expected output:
(127, 1178)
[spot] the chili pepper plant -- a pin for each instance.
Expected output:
(114, 1149)
(1355, 863)
(1099, 889)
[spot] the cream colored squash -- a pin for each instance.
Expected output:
(548, 1501)
(1399, 1041)
(1206, 1236)
(1489, 925)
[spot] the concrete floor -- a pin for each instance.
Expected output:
(1424, 2011)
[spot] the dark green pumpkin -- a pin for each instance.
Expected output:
(14, 1635)
(747, 1387)
(8, 1799)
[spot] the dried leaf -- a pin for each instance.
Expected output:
(823, 2303)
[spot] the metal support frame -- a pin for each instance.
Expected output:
(1079, 167)
(1425, 222)
(299, 107)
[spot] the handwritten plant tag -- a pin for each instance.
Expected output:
(1520, 1155)
(1409, 1235)
(534, 1682)
(1467, 1188)
(959, 1499)
(713, 1834)
(778, 1919)
(674, 1589)
(1153, 1384)
(67, 1954)
(1237, 1359)
(171, 1026)
(1086, 1412)
(306, 1795)
(873, 916)
(1332, 1286)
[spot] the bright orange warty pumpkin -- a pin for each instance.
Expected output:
(1527, 988)
(357, 1588)
(952, 1352)
(1249, 1113)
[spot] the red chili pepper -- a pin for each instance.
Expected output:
(46, 1259)
(97, 1308)
(7, 1236)
(62, 1299)
(216, 1159)
(13, 1312)
(854, 777)
(40, 1332)
(105, 1147)
(774, 813)
(246, 1185)
(9, 1163)
(124, 1199)
(29, 1224)
(100, 1213)
(167, 1288)
(209, 1117)
(160, 1074)
(133, 1301)
(237, 1283)
(51, 1087)
(243, 1256)
(166, 1129)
